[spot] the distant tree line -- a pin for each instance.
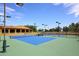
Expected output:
(73, 27)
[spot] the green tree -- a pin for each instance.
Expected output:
(52, 30)
(46, 30)
(65, 29)
(77, 27)
(40, 30)
(58, 29)
(72, 27)
(34, 28)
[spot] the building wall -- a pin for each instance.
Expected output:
(16, 30)
(0, 31)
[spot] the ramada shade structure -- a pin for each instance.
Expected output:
(15, 29)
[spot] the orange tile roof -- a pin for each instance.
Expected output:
(17, 27)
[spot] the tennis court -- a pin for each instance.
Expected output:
(49, 45)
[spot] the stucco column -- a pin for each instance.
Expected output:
(15, 31)
(0, 31)
(25, 31)
(8, 30)
(20, 30)
(28, 30)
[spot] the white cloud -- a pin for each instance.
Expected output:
(1, 14)
(68, 4)
(10, 9)
(73, 8)
(18, 17)
(56, 4)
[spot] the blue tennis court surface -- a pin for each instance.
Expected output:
(35, 40)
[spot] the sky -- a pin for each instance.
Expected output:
(41, 13)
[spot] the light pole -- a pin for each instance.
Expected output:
(44, 27)
(58, 25)
(4, 41)
(19, 4)
(47, 28)
(35, 27)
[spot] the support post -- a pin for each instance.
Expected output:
(4, 41)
